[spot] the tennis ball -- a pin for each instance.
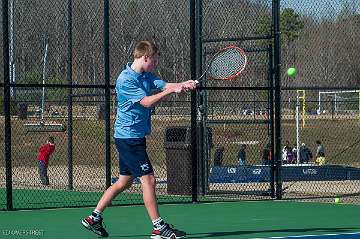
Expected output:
(292, 72)
(337, 200)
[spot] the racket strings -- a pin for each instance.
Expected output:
(227, 64)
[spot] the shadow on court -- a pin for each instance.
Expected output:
(130, 236)
(297, 230)
(244, 233)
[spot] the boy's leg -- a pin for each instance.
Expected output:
(40, 171)
(124, 182)
(149, 195)
(42, 174)
(94, 221)
(46, 175)
(135, 161)
(161, 230)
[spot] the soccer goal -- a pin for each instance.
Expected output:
(340, 102)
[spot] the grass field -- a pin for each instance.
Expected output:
(340, 137)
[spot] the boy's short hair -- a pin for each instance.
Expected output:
(145, 48)
(51, 140)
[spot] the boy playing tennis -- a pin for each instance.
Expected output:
(133, 87)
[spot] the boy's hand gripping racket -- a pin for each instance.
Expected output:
(226, 64)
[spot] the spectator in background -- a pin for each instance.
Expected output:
(219, 156)
(43, 160)
(294, 153)
(305, 154)
(242, 155)
(266, 155)
(320, 153)
(320, 150)
(287, 153)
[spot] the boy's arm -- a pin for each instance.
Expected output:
(52, 150)
(42, 148)
(185, 86)
(149, 101)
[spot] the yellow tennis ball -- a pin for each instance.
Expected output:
(337, 200)
(292, 72)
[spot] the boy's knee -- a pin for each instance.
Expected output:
(122, 184)
(148, 179)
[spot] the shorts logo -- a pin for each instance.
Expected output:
(145, 167)
(231, 170)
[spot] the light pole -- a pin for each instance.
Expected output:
(44, 77)
(11, 48)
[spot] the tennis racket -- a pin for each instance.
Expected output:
(227, 64)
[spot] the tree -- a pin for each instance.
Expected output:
(291, 25)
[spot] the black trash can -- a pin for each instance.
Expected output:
(178, 160)
(22, 111)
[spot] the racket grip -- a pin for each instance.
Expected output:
(197, 82)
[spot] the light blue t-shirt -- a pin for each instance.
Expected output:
(132, 119)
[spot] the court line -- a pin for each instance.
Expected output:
(320, 235)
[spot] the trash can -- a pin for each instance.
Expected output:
(22, 111)
(178, 160)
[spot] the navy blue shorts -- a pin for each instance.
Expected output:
(133, 158)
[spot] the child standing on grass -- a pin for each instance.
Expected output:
(43, 160)
(134, 88)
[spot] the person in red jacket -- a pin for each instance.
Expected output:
(43, 159)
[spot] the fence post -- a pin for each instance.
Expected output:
(194, 34)
(69, 100)
(277, 62)
(271, 118)
(107, 94)
(7, 99)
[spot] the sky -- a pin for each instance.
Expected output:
(320, 8)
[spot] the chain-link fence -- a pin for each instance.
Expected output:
(58, 84)
(322, 102)
(62, 44)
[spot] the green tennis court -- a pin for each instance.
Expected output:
(68, 198)
(247, 219)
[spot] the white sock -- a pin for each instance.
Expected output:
(96, 215)
(158, 223)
